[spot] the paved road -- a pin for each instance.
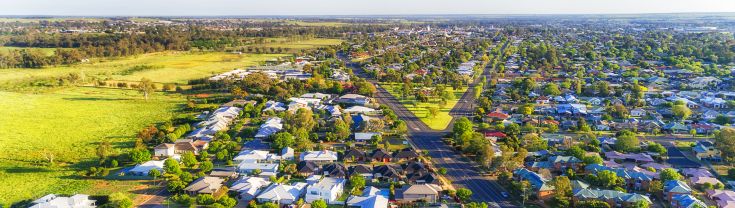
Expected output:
(459, 171)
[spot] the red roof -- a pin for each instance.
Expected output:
(494, 134)
(498, 115)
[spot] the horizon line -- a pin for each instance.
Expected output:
(367, 15)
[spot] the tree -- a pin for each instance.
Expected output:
(104, 150)
(608, 179)
(725, 142)
(657, 148)
(281, 140)
(681, 111)
(319, 203)
(669, 174)
(526, 109)
(119, 200)
(655, 186)
(443, 171)
(171, 166)
(552, 89)
(464, 194)
(462, 126)
(189, 159)
(721, 119)
(269, 205)
(341, 129)
(146, 87)
(432, 111)
(206, 166)
(563, 186)
(357, 181)
(626, 142)
(641, 204)
(155, 173)
(139, 156)
(533, 142)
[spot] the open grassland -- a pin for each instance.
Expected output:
(47, 51)
(164, 67)
(420, 109)
(68, 124)
(290, 45)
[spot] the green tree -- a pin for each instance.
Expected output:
(119, 200)
(319, 203)
(464, 194)
(681, 111)
(139, 156)
(282, 139)
(563, 186)
(341, 129)
(206, 166)
(155, 173)
(188, 159)
(627, 142)
(171, 166)
(725, 142)
(357, 181)
(669, 174)
(146, 87)
(432, 111)
(552, 89)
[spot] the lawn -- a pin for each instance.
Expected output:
(165, 67)
(420, 109)
(298, 44)
(47, 51)
(68, 123)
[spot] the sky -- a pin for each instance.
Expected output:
(353, 7)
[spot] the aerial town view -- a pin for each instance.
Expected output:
(367, 104)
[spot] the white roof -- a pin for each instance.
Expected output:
(53, 201)
(278, 192)
(324, 155)
(249, 185)
(358, 109)
(148, 166)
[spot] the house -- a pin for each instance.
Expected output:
(406, 154)
(248, 166)
(365, 136)
(222, 173)
(307, 168)
(419, 192)
(54, 201)
(282, 194)
(561, 163)
(205, 185)
(145, 168)
(328, 189)
(353, 99)
(638, 112)
(724, 198)
(635, 178)
(252, 155)
(323, 156)
(701, 181)
(249, 187)
(686, 201)
(389, 172)
(164, 150)
(612, 197)
(354, 155)
(269, 127)
(541, 185)
(705, 150)
(359, 110)
(494, 135)
(360, 121)
(497, 116)
(274, 106)
(217, 121)
(571, 109)
(542, 100)
(595, 101)
(362, 170)
(380, 155)
(675, 187)
(335, 170)
(371, 198)
(320, 96)
(696, 172)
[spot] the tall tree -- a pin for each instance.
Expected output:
(146, 87)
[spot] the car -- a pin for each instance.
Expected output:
(505, 194)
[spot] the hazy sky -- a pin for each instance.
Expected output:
(354, 7)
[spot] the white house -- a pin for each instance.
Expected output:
(248, 187)
(328, 189)
(270, 127)
(364, 136)
(595, 101)
(53, 201)
(274, 106)
(282, 194)
(319, 156)
(359, 110)
(143, 169)
(247, 167)
(252, 155)
(638, 112)
(164, 150)
(369, 199)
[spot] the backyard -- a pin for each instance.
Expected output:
(420, 109)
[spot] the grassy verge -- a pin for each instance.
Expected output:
(420, 109)
(68, 124)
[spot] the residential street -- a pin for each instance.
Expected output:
(459, 171)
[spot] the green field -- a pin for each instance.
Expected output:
(48, 51)
(67, 124)
(441, 121)
(168, 67)
(298, 44)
